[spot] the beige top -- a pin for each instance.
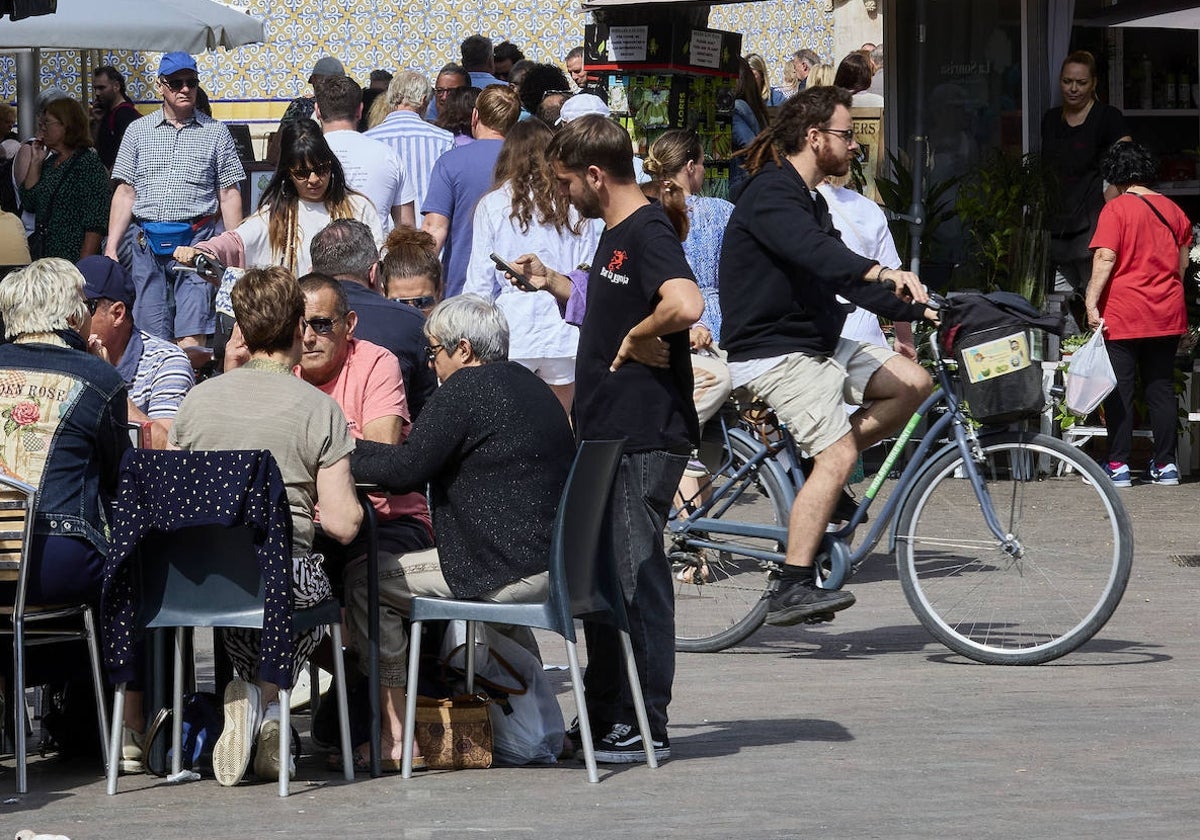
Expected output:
(14, 248)
(263, 406)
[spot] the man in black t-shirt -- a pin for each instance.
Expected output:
(633, 380)
(112, 112)
(782, 267)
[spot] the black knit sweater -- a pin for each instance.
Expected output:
(495, 446)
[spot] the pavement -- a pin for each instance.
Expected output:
(862, 728)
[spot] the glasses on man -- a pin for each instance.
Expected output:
(92, 304)
(423, 302)
(443, 91)
(176, 85)
(846, 134)
(321, 326)
(431, 352)
(301, 173)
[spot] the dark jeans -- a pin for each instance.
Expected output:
(638, 510)
(1154, 360)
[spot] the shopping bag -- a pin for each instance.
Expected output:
(454, 733)
(527, 722)
(1090, 375)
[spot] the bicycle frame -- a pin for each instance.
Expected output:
(766, 457)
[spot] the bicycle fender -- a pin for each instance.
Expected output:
(752, 445)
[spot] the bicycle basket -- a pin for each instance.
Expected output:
(991, 337)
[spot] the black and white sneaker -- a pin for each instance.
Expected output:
(623, 745)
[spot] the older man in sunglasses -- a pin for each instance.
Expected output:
(175, 165)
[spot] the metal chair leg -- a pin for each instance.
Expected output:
(639, 702)
(114, 740)
(89, 625)
(285, 740)
(470, 657)
(410, 700)
(19, 703)
(177, 706)
(339, 680)
(585, 724)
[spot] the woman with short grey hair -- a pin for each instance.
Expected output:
(495, 446)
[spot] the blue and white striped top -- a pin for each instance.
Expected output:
(418, 144)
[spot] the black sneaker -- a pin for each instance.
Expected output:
(798, 601)
(623, 745)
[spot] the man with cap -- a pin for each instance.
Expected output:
(157, 373)
(302, 107)
(176, 164)
(583, 104)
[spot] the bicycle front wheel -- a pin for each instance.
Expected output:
(1055, 583)
(718, 591)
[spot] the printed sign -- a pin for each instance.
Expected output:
(705, 50)
(997, 357)
(627, 43)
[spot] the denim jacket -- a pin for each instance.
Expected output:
(62, 429)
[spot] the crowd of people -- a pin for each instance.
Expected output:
(492, 231)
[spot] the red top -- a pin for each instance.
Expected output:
(1144, 296)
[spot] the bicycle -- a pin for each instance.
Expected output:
(1017, 591)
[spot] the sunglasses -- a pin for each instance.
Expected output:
(431, 352)
(301, 173)
(321, 326)
(443, 91)
(92, 304)
(177, 85)
(423, 302)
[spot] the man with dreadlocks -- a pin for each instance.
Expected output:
(782, 265)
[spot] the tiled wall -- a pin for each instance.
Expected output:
(254, 83)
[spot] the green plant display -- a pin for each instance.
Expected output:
(896, 193)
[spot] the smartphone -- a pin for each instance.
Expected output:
(505, 265)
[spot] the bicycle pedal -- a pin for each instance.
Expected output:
(819, 618)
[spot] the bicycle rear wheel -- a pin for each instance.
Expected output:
(1055, 591)
(718, 592)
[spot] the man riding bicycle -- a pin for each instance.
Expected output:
(782, 265)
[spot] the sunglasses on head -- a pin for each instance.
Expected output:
(176, 85)
(321, 326)
(423, 302)
(301, 173)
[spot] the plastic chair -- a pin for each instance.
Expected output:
(583, 584)
(18, 501)
(208, 576)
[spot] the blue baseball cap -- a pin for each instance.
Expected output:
(173, 62)
(106, 278)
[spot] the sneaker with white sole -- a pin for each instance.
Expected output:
(1167, 475)
(266, 758)
(623, 745)
(131, 751)
(231, 753)
(1120, 474)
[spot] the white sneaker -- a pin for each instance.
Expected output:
(131, 751)
(266, 759)
(231, 753)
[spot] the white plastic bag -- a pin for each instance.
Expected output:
(527, 724)
(1090, 375)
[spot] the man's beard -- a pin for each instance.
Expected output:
(832, 164)
(588, 204)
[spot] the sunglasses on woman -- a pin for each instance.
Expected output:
(301, 173)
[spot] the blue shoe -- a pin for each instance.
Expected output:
(1121, 477)
(1167, 475)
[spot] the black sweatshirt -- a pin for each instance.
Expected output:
(495, 446)
(781, 267)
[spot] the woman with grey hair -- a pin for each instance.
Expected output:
(1140, 251)
(495, 447)
(63, 415)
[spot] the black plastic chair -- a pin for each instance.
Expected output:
(583, 584)
(208, 576)
(18, 501)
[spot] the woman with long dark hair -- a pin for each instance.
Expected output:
(307, 192)
(749, 118)
(525, 213)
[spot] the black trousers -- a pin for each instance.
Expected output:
(1154, 360)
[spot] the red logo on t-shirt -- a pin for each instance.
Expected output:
(618, 260)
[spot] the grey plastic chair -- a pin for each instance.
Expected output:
(18, 501)
(208, 576)
(583, 584)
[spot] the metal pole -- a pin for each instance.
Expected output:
(916, 210)
(28, 83)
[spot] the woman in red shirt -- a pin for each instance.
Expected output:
(1140, 252)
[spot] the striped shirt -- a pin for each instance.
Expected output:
(157, 373)
(177, 174)
(418, 144)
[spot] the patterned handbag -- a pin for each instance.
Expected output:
(455, 733)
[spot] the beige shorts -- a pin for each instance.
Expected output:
(809, 392)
